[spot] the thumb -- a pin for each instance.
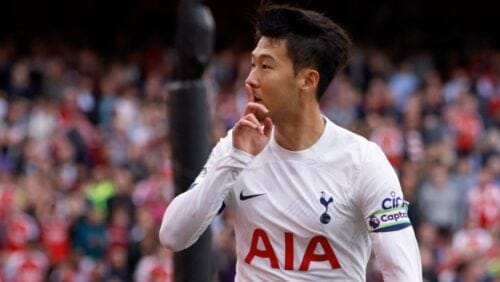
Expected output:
(268, 126)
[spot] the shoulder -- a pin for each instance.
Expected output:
(352, 145)
(343, 154)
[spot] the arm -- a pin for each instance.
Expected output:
(398, 255)
(190, 213)
(385, 211)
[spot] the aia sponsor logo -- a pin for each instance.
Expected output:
(318, 250)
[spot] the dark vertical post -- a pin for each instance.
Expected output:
(189, 124)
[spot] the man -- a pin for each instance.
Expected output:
(310, 198)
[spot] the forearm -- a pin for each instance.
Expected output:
(190, 213)
(398, 255)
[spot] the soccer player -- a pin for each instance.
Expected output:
(310, 198)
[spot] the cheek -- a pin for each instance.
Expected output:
(278, 89)
(289, 90)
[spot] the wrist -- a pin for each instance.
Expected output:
(242, 156)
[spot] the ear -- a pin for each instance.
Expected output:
(309, 80)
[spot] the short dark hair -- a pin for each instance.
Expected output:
(312, 40)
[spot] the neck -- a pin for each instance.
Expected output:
(301, 131)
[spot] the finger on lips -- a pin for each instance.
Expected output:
(249, 92)
(252, 107)
(254, 111)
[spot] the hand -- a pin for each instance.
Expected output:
(252, 132)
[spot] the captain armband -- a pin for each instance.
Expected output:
(392, 216)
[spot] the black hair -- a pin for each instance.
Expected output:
(312, 40)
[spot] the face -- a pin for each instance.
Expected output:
(272, 79)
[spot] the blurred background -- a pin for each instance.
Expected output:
(85, 160)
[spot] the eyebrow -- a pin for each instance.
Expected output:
(263, 56)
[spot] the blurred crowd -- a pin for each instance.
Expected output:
(86, 173)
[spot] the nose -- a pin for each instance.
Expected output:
(252, 79)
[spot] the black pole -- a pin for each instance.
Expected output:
(189, 124)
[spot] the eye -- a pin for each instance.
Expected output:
(266, 67)
(253, 65)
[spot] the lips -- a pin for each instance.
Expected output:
(256, 98)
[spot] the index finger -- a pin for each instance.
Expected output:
(249, 91)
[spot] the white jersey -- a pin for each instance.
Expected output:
(303, 215)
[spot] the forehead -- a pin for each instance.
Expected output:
(271, 48)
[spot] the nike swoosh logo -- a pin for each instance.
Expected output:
(246, 197)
